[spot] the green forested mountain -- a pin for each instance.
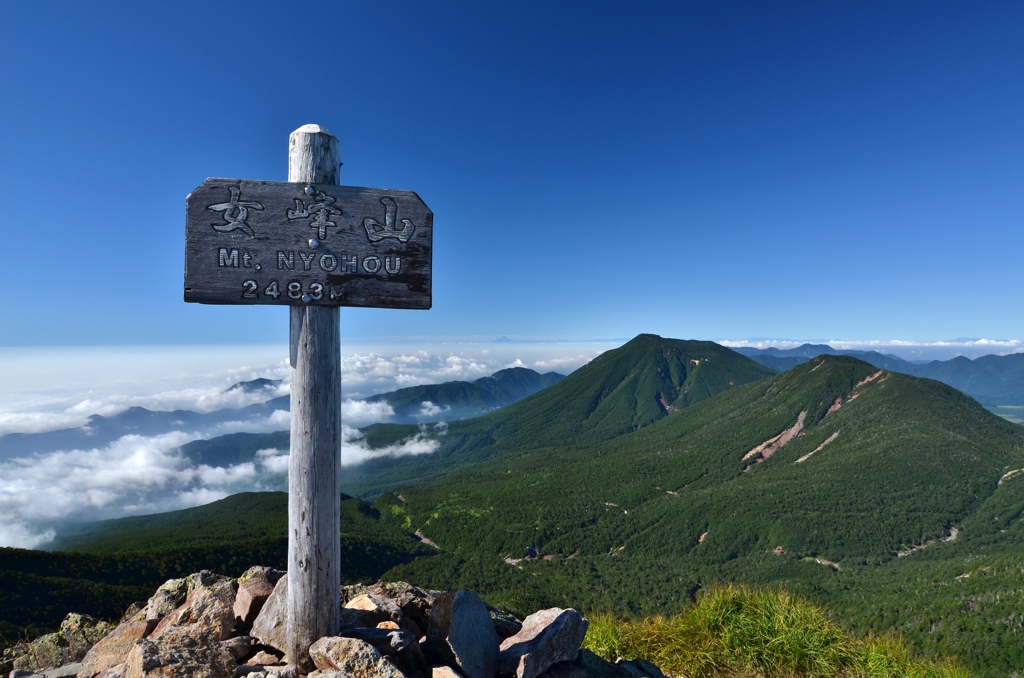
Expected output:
(886, 464)
(620, 391)
(994, 380)
(461, 399)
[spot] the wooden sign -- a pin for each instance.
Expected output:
(264, 242)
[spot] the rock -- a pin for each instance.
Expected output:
(66, 671)
(25, 673)
(77, 633)
(119, 671)
(261, 572)
(595, 667)
(505, 625)
(639, 668)
(444, 672)
(167, 598)
(263, 659)
(239, 647)
(462, 635)
(251, 596)
(547, 637)
(189, 651)
(269, 627)
(411, 661)
(564, 670)
(389, 625)
(330, 673)
(383, 640)
(113, 648)
(377, 609)
(205, 579)
(289, 671)
(211, 606)
(351, 656)
(414, 602)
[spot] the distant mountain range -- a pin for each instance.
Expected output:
(992, 380)
(665, 466)
(462, 399)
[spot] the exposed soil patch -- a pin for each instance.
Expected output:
(700, 539)
(422, 538)
(1011, 474)
(953, 532)
(773, 445)
(834, 406)
(818, 448)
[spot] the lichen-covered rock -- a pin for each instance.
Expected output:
(461, 634)
(547, 637)
(354, 657)
(270, 625)
(260, 572)
(189, 651)
(166, 599)
(77, 633)
(210, 606)
(113, 649)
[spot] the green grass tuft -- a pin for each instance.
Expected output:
(737, 631)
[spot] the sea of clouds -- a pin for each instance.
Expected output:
(47, 389)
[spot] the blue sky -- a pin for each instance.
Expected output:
(714, 170)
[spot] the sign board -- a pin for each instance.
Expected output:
(265, 242)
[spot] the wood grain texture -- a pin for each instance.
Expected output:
(314, 493)
(292, 243)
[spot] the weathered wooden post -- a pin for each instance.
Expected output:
(314, 495)
(312, 245)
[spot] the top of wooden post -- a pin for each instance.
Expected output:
(313, 155)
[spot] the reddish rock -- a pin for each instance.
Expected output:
(547, 637)
(209, 606)
(113, 648)
(251, 596)
(353, 657)
(189, 651)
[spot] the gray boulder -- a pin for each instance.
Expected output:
(385, 641)
(547, 637)
(461, 634)
(270, 627)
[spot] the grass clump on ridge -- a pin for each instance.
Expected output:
(737, 631)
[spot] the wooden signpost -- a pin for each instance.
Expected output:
(312, 245)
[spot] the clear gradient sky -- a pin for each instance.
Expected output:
(713, 170)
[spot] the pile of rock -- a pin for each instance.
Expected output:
(211, 626)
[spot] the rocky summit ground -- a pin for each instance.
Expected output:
(211, 626)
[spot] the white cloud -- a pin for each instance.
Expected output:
(358, 413)
(429, 409)
(354, 449)
(132, 475)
